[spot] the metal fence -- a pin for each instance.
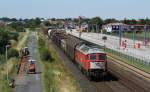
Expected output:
(131, 58)
(140, 62)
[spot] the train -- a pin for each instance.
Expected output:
(90, 58)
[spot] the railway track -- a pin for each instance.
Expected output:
(102, 87)
(136, 70)
(126, 77)
(124, 84)
(94, 86)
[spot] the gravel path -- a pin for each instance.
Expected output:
(31, 82)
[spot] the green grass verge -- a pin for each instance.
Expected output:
(129, 60)
(11, 63)
(22, 42)
(56, 77)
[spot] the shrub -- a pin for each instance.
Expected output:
(12, 53)
(45, 55)
(41, 42)
(14, 35)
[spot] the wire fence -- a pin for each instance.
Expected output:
(138, 62)
(137, 36)
(145, 61)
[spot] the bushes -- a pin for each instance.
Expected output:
(45, 55)
(4, 39)
(41, 42)
(14, 35)
(12, 53)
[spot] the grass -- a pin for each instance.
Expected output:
(23, 40)
(129, 60)
(11, 64)
(56, 77)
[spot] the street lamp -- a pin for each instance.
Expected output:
(6, 62)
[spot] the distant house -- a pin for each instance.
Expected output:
(83, 27)
(138, 27)
(70, 25)
(116, 27)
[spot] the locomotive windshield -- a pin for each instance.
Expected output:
(92, 56)
(102, 57)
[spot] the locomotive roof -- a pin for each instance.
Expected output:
(89, 49)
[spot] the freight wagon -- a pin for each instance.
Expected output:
(90, 58)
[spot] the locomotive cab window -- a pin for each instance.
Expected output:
(92, 56)
(102, 57)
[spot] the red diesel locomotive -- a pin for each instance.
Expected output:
(90, 58)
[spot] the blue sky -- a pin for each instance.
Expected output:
(73, 8)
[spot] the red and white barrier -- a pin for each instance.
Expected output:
(137, 45)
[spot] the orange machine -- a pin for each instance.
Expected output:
(31, 66)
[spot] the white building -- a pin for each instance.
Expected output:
(115, 27)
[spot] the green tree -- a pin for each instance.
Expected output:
(37, 22)
(129, 21)
(4, 39)
(32, 23)
(12, 53)
(18, 26)
(47, 23)
(142, 21)
(107, 21)
(96, 23)
(96, 20)
(147, 21)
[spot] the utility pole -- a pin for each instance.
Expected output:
(80, 27)
(133, 37)
(145, 36)
(7, 63)
(88, 27)
(120, 32)
(96, 29)
(92, 28)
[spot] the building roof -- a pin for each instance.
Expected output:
(116, 24)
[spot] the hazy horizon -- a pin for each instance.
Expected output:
(117, 9)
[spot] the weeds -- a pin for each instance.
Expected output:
(56, 77)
